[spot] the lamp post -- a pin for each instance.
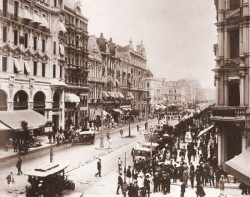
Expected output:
(147, 110)
(124, 186)
(129, 130)
(101, 137)
(151, 130)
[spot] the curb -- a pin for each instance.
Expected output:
(7, 158)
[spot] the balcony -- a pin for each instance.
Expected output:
(228, 113)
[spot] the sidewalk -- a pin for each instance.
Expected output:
(7, 155)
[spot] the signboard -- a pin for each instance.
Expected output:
(232, 14)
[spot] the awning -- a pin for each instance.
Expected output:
(71, 98)
(58, 83)
(62, 27)
(3, 127)
(130, 95)
(117, 82)
(61, 49)
(27, 15)
(44, 22)
(118, 110)
(119, 94)
(239, 166)
(36, 19)
(104, 113)
(14, 118)
(115, 95)
(27, 66)
(205, 130)
(104, 94)
(17, 65)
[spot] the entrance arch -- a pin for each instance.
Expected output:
(39, 102)
(3, 101)
(21, 100)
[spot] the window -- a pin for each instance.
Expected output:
(5, 7)
(234, 4)
(15, 69)
(4, 34)
(4, 64)
(25, 70)
(43, 69)
(43, 45)
(35, 68)
(15, 10)
(55, 3)
(234, 44)
(15, 37)
(54, 48)
(54, 71)
(35, 43)
(60, 71)
(26, 40)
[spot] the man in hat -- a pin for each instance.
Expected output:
(119, 184)
(183, 189)
(99, 168)
(10, 181)
(19, 166)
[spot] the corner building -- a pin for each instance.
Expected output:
(231, 112)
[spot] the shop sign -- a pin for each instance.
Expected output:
(233, 14)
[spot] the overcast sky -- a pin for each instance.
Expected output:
(178, 34)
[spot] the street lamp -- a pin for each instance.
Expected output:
(124, 185)
(151, 130)
(147, 110)
(101, 138)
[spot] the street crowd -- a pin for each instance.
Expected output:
(193, 165)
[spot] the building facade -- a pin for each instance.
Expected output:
(230, 114)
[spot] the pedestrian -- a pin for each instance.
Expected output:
(119, 165)
(110, 143)
(147, 185)
(191, 177)
(243, 188)
(119, 184)
(129, 175)
(200, 191)
(133, 154)
(99, 168)
(19, 166)
(183, 189)
(146, 125)
(138, 128)
(121, 133)
(10, 181)
(222, 185)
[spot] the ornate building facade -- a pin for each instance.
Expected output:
(230, 114)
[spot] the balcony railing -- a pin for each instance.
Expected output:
(228, 111)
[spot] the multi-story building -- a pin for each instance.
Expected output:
(30, 68)
(75, 43)
(133, 63)
(230, 114)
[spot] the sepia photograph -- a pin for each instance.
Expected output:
(130, 98)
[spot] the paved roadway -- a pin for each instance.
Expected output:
(82, 160)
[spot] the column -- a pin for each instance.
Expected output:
(244, 140)
(217, 89)
(225, 83)
(242, 89)
(219, 141)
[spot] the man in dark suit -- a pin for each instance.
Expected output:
(99, 168)
(119, 184)
(19, 165)
(183, 188)
(10, 181)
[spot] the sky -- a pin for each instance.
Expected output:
(178, 34)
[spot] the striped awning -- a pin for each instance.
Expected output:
(27, 15)
(36, 19)
(104, 94)
(44, 22)
(130, 95)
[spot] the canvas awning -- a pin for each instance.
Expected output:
(205, 130)
(118, 110)
(27, 66)
(62, 27)
(119, 94)
(61, 49)
(130, 95)
(13, 119)
(27, 15)
(3, 127)
(104, 94)
(44, 22)
(239, 166)
(36, 19)
(71, 98)
(17, 65)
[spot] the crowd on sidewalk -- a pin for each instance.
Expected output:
(193, 165)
